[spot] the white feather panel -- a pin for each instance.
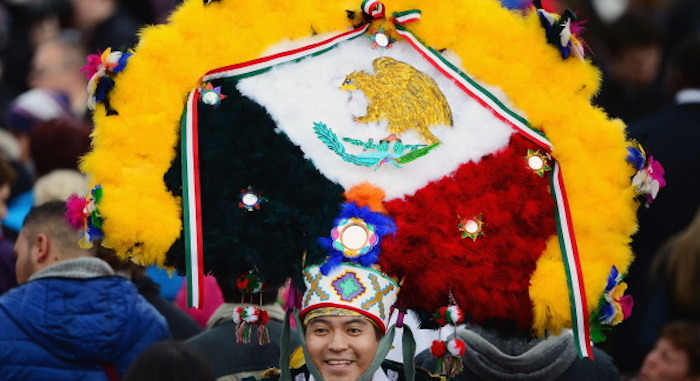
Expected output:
(297, 95)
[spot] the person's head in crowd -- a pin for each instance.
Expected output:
(31, 108)
(7, 177)
(56, 66)
(46, 239)
(87, 14)
(11, 152)
(678, 263)
(676, 356)
(28, 24)
(58, 185)
(169, 360)
(633, 51)
(47, 19)
(58, 144)
(684, 67)
(9, 145)
(43, 20)
(7, 259)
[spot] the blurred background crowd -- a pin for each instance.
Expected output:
(45, 128)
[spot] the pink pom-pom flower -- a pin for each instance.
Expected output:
(75, 211)
(626, 304)
(615, 306)
(93, 65)
(83, 215)
(101, 70)
(649, 179)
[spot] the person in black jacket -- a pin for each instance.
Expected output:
(218, 345)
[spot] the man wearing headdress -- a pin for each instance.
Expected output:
(345, 316)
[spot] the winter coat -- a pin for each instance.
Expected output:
(495, 355)
(75, 329)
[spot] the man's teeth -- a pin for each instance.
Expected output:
(339, 362)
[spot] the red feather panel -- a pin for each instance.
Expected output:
(489, 276)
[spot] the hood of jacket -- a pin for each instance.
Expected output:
(493, 355)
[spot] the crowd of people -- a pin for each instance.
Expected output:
(68, 312)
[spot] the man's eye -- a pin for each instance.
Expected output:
(354, 331)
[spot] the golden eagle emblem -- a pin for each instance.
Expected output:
(407, 98)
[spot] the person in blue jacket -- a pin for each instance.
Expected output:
(70, 318)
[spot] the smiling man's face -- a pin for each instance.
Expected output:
(341, 347)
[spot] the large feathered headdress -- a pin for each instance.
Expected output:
(452, 146)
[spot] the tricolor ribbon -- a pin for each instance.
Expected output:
(261, 65)
(406, 17)
(377, 10)
(191, 202)
(373, 8)
(572, 264)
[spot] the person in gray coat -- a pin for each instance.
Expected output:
(496, 354)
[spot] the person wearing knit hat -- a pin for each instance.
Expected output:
(345, 315)
(354, 148)
(344, 326)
